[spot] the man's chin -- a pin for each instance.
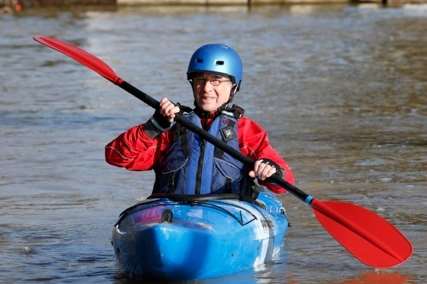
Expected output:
(208, 107)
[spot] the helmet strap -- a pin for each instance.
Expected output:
(233, 92)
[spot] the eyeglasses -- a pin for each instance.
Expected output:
(213, 81)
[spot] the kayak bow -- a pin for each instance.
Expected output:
(174, 240)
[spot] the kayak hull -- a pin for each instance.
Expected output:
(193, 240)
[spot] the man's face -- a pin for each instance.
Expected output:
(211, 91)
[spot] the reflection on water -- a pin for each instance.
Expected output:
(340, 88)
(378, 278)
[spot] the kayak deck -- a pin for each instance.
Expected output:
(166, 239)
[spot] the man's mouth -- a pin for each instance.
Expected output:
(208, 98)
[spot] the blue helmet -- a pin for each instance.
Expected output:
(218, 58)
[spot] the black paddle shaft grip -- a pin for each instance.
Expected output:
(139, 94)
(212, 139)
(290, 188)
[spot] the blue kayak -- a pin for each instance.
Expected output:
(182, 240)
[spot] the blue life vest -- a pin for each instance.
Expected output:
(193, 166)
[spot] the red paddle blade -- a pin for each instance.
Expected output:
(367, 236)
(81, 56)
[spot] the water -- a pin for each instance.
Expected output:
(341, 89)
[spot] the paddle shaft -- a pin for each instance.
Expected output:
(213, 140)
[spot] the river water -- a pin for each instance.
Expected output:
(341, 89)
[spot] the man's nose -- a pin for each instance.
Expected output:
(207, 85)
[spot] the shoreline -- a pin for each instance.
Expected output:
(20, 5)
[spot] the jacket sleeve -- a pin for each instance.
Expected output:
(254, 142)
(136, 149)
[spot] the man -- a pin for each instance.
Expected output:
(184, 163)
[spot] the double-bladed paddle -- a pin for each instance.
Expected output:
(367, 236)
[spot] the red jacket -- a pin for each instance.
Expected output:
(136, 150)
